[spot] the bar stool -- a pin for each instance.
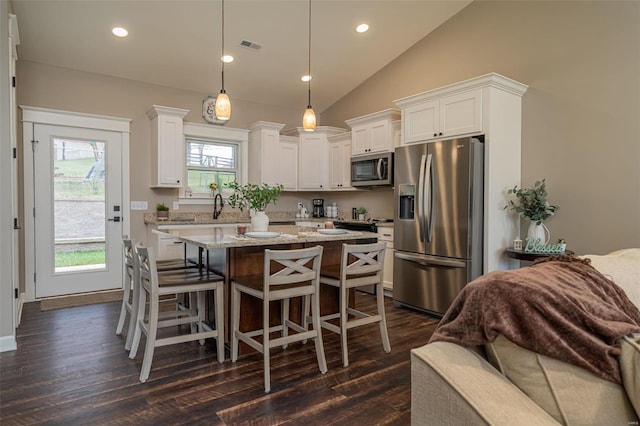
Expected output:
(153, 287)
(286, 274)
(361, 265)
(129, 293)
(131, 288)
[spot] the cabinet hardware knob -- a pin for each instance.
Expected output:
(440, 134)
(435, 134)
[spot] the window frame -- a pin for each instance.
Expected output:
(215, 134)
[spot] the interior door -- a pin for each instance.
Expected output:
(77, 198)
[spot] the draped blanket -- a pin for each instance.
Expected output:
(560, 307)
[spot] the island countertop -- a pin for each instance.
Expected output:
(227, 237)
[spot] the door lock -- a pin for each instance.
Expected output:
(115, 219)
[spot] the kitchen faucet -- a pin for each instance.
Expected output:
(217, 212)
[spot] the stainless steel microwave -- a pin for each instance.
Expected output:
(372, 170)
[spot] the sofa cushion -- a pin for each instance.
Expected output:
(570, 394)
(623, 268)
(630, 369)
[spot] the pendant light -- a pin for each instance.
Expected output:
(223, 104)
(309, 117)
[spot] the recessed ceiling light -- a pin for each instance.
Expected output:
(306, 78)
(227, 58)
(120, 32)
(362, 28)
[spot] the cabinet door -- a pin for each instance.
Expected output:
(346, 164)
(271, 161)
(287, 163)
(170, 151)
(381, 138)
(421, 122)
(360, 140)
(336, 169)
(461, 114)
(312, 166)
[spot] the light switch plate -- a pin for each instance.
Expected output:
(139, 205)
(176, 205)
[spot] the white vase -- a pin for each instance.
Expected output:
(538, 232)
(259, 221)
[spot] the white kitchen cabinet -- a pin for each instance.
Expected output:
(313, 157)
(340, 161)
(449, 116)
(273, 158)
(167, 146)
(386, 234)
(488, 105)
(373, 132)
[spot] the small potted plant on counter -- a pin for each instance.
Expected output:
(361, 211)
(162, 211)
(257, 198)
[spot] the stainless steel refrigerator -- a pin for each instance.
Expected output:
(438, 222)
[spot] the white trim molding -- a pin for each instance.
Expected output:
(8, 343)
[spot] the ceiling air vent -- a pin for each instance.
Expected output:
(250, 45)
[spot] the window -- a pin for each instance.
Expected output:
(210, 161)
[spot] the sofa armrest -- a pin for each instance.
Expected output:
(452, 385)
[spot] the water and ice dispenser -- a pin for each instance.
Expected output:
(406, 198)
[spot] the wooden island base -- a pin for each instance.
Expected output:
(250, 260)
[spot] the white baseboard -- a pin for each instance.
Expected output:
(8, 343)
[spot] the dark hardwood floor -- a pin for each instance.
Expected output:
(70, 368)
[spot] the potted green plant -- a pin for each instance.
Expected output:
(361, 211)
(162, 211)
(254, 197)
(531, 204)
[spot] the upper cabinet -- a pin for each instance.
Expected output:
(454, 115)
(373, 132)
(273, 158)
(167, 146)
(313, 157)
(340, 161)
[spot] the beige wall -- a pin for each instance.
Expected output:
(581, 126)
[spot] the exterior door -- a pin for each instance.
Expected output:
(76, 182)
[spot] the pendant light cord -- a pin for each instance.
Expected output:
(309, 103)
(222, 58)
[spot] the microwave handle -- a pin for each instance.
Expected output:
(380, 168)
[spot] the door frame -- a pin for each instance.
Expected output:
(35, 115)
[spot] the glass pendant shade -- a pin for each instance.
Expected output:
(309, 119)
(223, 106)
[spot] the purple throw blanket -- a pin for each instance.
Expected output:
(560, 307)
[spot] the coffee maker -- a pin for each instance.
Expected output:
(318, 207)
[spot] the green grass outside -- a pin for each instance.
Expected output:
(77, 258)
(70, 182)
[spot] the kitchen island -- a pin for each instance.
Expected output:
(223, 251)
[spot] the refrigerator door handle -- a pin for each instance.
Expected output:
(421, 222)
(427, 261)
(428, 199)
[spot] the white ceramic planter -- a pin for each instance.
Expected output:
(259, 222)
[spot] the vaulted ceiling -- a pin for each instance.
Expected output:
(177, 43)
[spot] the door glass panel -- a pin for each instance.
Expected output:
(79, 205)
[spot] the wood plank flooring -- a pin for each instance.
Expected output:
(70, 368)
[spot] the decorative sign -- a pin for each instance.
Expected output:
(536, 246)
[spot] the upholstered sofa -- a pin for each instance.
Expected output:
(503, 384)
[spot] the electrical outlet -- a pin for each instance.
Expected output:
(176, 205)
(139, 205)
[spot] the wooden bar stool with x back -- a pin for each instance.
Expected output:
(287, 274)
(131, 286)
(361, 265)
(153, 287)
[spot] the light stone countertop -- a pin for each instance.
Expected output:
(227, 237)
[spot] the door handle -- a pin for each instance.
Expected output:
(115, 219)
